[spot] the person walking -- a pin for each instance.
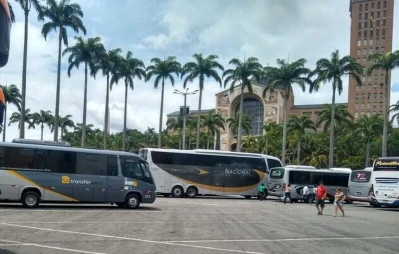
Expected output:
(305, 193)
(321, 194)
(262, 192)
(287, 193)
(339, 198)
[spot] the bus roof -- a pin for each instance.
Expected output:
(214, 152)
(342, 169)
(65, 148)
(300, 166)
(317, 170)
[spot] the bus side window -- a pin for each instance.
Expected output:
(273, 164)
(2, 151)
(112, 166)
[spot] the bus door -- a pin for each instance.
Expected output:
(275, 181)
(115, 191)
(218, 180)
(359, 184)
(100, 189)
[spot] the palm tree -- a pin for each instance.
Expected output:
(370, 128)
(62, 15)
(331, 70)
(212, 121)
(202, 68)
(12, 96)
(299, 125)
(16, 118)
(241, 75)
(26, 6)
(86, 51)
(107, 64)
(163, 70)
(271, 129)
(176, 125)
(341, 116)
(234, 124)
(282, 78)
(385, 63)
(64, 123)
(41, 118)
(128, 69)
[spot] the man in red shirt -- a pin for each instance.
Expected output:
(321, 194)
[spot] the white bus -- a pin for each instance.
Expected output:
(385, 182)
(299, 177)
(359, 184)
(204, 172)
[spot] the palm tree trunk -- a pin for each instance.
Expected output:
(106, 113)
(385, 116)
(23, 92)
(57, 97)
(332, 127)
(5, 124)
(207, 140)
(179, 142)
(83, 143)
(298, 156)
(124, 119)
(238, 149)
(199, 114)
(367, 154)
(266, 145)
(160, 115)
(285, 113)
(41, 134)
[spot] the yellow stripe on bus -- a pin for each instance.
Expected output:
(18, 175)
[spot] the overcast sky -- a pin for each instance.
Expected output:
(266, 29)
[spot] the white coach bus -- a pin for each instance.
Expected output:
(204, 172)
(359, 184)
(300, 177)
(385, 182)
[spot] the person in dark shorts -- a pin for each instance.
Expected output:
(288, 193)
(262, 192)
(321, 194)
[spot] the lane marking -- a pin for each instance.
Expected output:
(115, 211)
(171, 222)
(191, 203)
(130, 239)
(288, 239)
(15, 243)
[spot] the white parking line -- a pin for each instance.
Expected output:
(114, 211)
(15, 243)
(288, 239)
(193, 203)
(129, 239)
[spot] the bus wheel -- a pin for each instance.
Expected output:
(132, 201)
(177, 192)
(120, 205)
(248, 197)
(192, 192)
(30, 199)
(349, 201)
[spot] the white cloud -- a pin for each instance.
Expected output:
(266, 29)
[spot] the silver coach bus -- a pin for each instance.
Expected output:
(359, 185)
(35, 171)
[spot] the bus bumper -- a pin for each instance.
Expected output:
(395, 203)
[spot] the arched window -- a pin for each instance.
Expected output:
(254, 109)
(372, 5)
(378, 5)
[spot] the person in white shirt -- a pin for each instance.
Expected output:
(305, 192)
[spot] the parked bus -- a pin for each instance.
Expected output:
(359, 184)
(203, 172)
(34, 172)
(300, 177)
(385, 182)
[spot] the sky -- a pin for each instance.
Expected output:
(266, 29)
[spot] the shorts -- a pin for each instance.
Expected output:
(320, 202)
(338, 203)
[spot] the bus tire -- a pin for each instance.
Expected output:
(191, 192)
(248, 197)
(349, 201)
(132, 201)
(30, 199)
(177, 192)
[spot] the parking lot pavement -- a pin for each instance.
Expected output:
(200, 225)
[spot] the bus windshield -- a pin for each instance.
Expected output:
(137, 170)
(277, 173)
(360, 176)
(386, 165)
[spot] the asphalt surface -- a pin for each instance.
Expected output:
(200, 225)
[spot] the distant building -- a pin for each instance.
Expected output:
(371, 32)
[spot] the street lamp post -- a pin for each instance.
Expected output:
(184, 112)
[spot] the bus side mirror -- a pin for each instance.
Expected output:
(5, 27)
